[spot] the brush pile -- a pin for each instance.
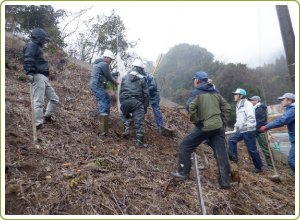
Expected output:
(73, 170)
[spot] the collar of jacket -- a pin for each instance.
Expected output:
(290, 105)
(135, 73)
(241, 103)
(257, 105)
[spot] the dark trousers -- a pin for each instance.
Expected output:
(135, 107)
(217, 143)
(157, 114)
(250, 141)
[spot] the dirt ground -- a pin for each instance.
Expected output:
(74, 170)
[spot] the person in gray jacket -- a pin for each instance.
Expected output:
(100, 76)
(37, 69)
(245, 126)
(134, 98)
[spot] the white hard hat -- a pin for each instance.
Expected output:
(138, 63)
(109, 54)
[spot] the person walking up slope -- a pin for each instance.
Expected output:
(99, 78)
(134, 98)
(245, 127)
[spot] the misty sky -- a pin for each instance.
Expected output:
(246, 32)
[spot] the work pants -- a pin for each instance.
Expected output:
(41, 88)
(261, 139)
(135, 107)
(250, 141)
(291, 158)
(157, 114)
(217, 143)
(104, 100)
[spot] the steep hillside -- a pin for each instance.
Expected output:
(73, 170)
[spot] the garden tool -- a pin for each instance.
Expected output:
(33, 115)
(276, 177)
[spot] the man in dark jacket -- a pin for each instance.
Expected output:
(261, 120)
(288, 118)
(208, 111)
(100, 76)
(154, 100)
(37, 69)
(134, 98)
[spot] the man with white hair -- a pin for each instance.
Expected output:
(100, 76)
(288, 118)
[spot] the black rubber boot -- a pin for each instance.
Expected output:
(126, 133)
(140, 142)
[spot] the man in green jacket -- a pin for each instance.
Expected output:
(208, 111)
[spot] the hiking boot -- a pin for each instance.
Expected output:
(39, 127)
(232, 157)
(255, 170)
(225, 187)
(157, 128)
(180, 175)
(49, 119)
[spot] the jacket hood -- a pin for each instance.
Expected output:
(99, 60)
(205, 86)
(262, 105)
(39, 35)
(134, 76)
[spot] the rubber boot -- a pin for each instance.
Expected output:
(140, 142)
(126, 133)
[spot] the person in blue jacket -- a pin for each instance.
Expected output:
(288, 118)
(99, 78)
(154, 100)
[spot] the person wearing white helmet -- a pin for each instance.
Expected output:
(245, 126)
(134, 98)
(99, 78)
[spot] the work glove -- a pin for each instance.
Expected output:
(116, 83)
(263, 128)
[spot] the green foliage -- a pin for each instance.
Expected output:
(104, 33)
(99, 163)
(22, 76)
(23, 19)
(178, 67)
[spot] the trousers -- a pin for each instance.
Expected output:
(41, 88)
(217, 140)
(250, 141)
(104, 100)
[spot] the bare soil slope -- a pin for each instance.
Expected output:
(73, 170)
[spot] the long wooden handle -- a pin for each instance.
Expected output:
(157, 65)
(270, 152)
(33, 115)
